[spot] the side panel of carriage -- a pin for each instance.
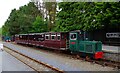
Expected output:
(55, 40)
(31, 39)
(21, 38)
(40, 37)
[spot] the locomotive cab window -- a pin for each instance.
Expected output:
(73, 36)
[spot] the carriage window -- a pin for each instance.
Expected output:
(34, 39)
(40, 39)
(73, 36)
(58, 37)
(62, 37)
(20, 36)
(47, 37)
(53, 37)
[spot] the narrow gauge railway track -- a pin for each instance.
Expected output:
(29, 62)
(113, 56)
(102, 62)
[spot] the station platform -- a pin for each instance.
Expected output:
(112, 49)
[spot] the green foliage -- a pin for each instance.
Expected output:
(111, 13)
(5, 28)
(0, 31)
(39, 25)
(21, 21)
(88, 16)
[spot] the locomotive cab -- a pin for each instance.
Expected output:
(74, 38)
(73, 41)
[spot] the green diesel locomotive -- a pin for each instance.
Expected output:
(79, 43)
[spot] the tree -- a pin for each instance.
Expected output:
(20, 21)
(39, 25)
(51, 14)
(69, 18)
(88, 16)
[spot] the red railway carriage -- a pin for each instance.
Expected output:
(16, 38)
(56, 40)
(36, 39)
(21, 38)
(53, 40)
(31, 39)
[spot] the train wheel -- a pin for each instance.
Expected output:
(78, 57)
(87, 58)
(71, 52)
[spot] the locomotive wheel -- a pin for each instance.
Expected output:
(87, 58)
(71, 52)
(78, 57)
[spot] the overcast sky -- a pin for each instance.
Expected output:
(7, 5)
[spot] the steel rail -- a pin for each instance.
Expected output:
(102, 62)
(45, 64)
(20, 60)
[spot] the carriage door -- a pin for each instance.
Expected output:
(73, 41)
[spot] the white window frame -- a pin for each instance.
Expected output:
(74, 38)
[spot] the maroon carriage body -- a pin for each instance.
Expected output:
(21, 38)
(56, 40)
(53, 40)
